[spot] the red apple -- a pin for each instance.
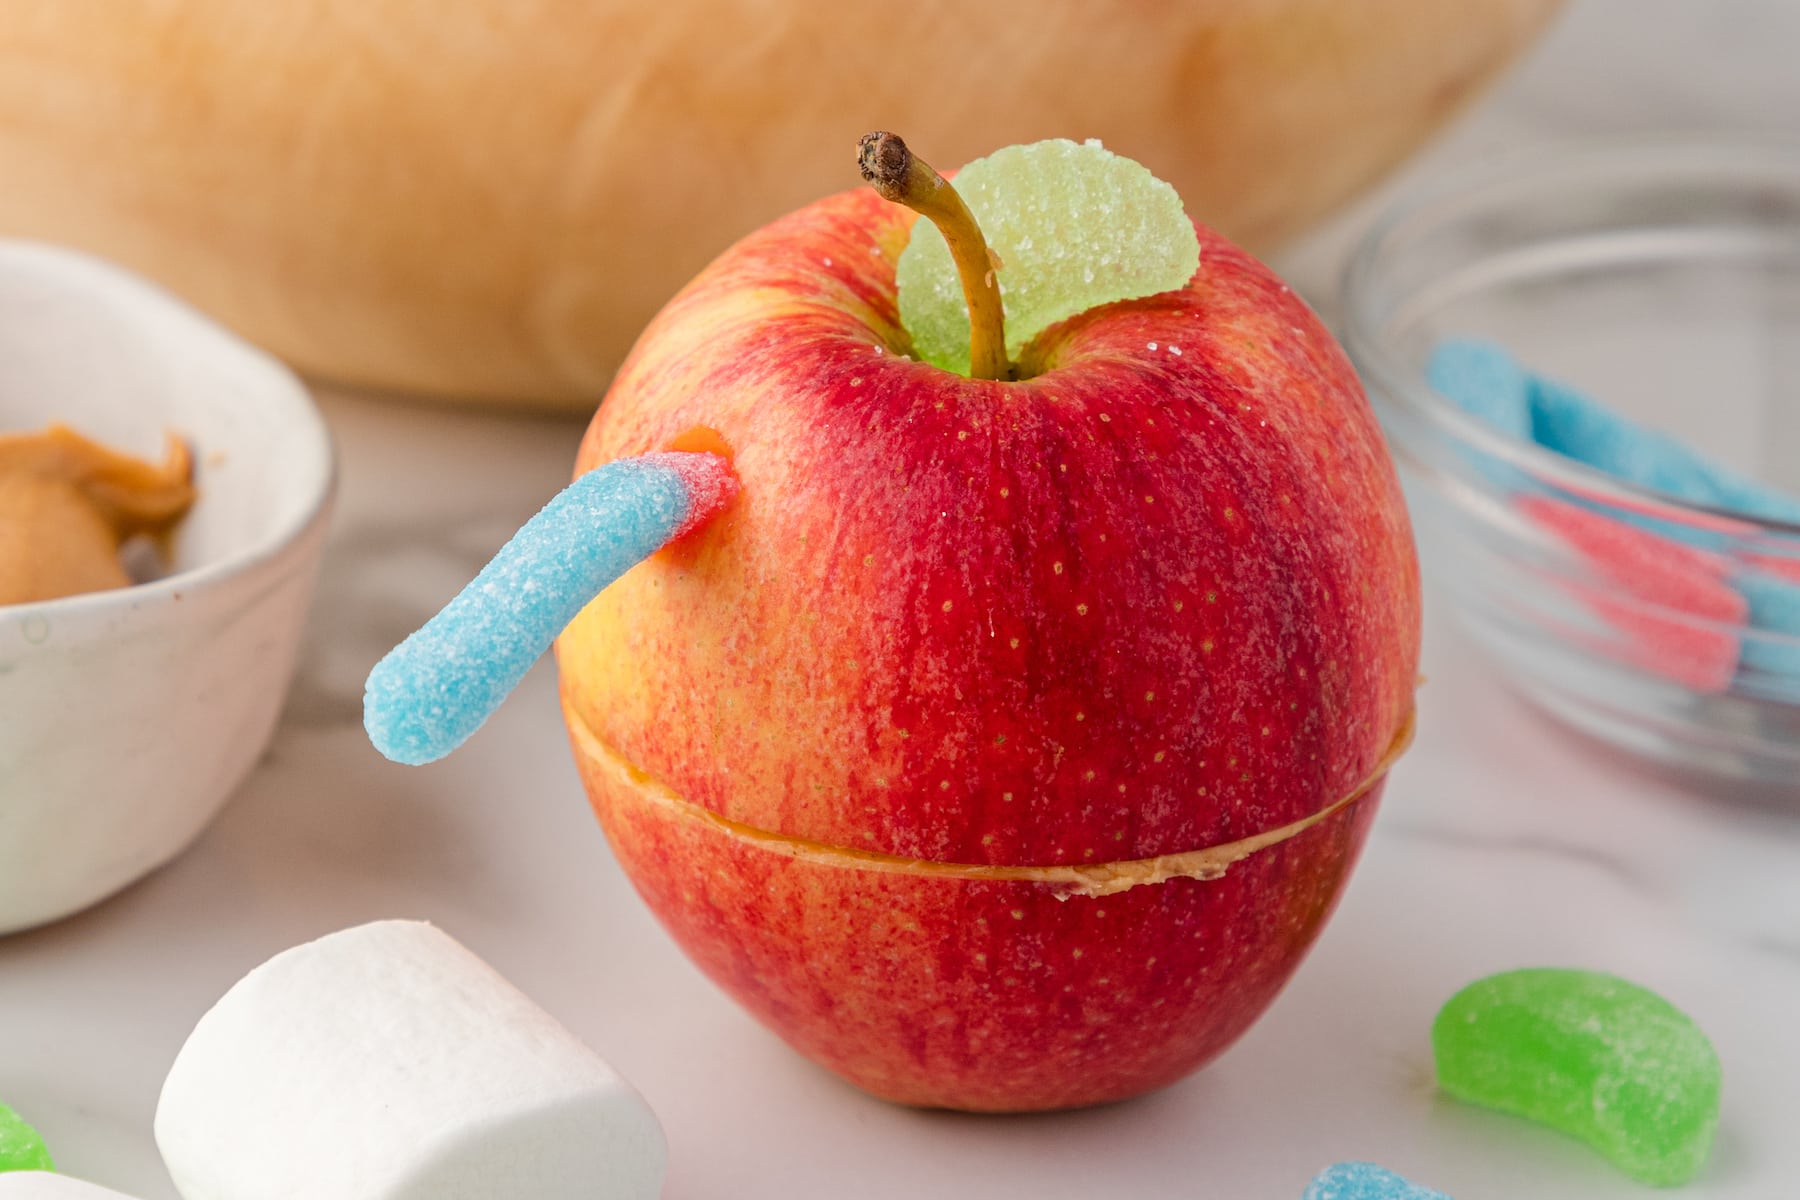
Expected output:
(1157, 597)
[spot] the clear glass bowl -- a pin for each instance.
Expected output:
(1663, 281)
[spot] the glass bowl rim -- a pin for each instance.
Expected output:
(1654, 160)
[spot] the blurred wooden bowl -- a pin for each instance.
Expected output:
(487, 200)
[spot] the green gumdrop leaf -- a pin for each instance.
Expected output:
(1075, 225)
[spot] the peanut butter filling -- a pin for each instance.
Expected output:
(67, 504)
(1092, 879)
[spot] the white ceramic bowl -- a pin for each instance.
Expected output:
(128, 717)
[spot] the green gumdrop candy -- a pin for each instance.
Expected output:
(21, 1149)
(1589, 1054)
(1075, 225)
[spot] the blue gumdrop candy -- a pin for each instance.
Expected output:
(1365, 1181)
(437, 687)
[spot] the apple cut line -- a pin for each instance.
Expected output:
(1090, 879)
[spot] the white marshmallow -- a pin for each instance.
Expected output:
(386, 1062)
(42, 1185)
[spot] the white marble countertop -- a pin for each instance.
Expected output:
(1503, 842)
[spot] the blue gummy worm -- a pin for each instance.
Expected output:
(1365, 1181)
(437, 687)
(1485, 380)
(1774, 609)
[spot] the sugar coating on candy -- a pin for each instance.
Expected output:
(707, 478)
(1365, 1181)
(1483, 379)
(1589, 1054)
(1074, 226)
(1762, 594)
(1571, 423)
(1485, 382)
(21, 1149)
(437, 688)
(1771, 656)
(1568, 422)
(1669, 604)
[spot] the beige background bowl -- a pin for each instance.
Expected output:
(128, 717)
(489, 199)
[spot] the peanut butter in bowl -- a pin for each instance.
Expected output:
(129, 714)
(69, 504)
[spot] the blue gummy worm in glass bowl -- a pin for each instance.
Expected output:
(1663, 281)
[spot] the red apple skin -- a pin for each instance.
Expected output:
(1157, 597)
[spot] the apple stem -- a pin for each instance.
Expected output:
(904, 178)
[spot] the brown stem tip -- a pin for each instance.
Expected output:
(902, 177)
(885, 163)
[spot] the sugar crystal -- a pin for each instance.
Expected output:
(1365, 1181)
